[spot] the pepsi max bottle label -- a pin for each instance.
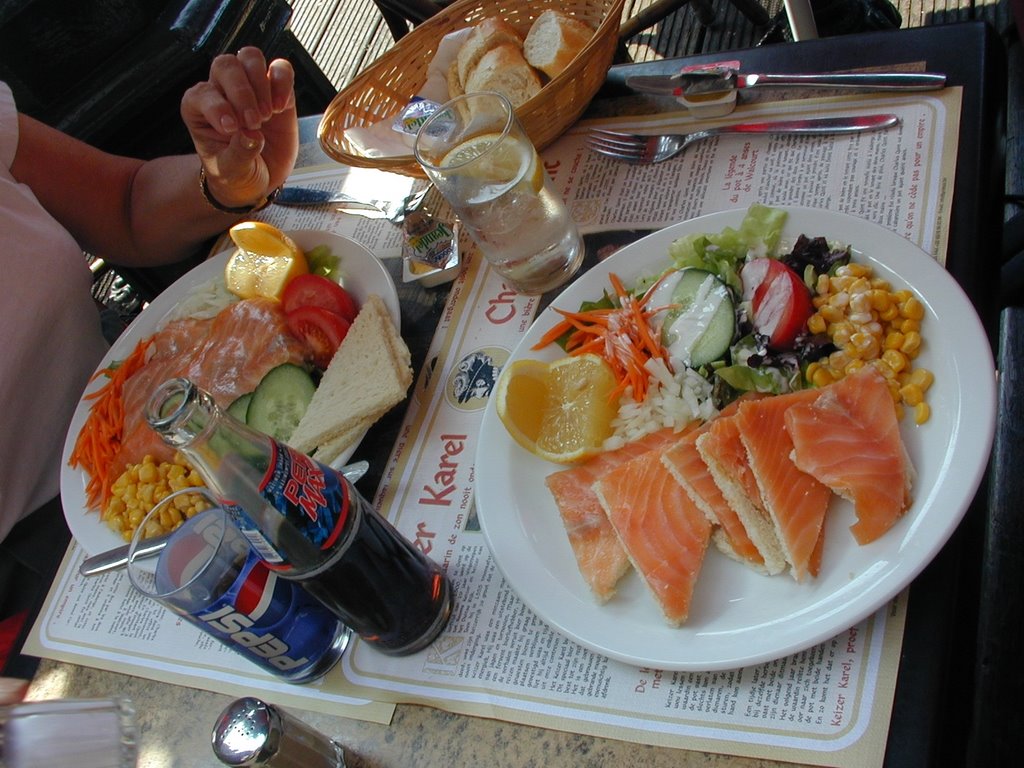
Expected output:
(313, 499)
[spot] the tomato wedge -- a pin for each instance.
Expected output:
(311, 290)
(781, 303)
(321, 330)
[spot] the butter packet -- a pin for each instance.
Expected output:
(414, 115)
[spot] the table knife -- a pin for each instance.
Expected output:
(116, 558)
(305, 196)
(713, 82)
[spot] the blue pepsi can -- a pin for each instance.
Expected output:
(208, 574)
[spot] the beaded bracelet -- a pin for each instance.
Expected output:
(204, 187)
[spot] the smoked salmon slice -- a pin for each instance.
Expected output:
(599, 555)
(684, 461)
(849, 439)
(225, 355)
(725, 457)
(663, 532)
(795, 501)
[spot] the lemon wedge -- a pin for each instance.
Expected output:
(560, 411)
(501, 162)
(265, 262)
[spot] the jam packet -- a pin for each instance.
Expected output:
(430, 246)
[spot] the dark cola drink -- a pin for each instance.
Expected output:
(309, 524)
(382, 586)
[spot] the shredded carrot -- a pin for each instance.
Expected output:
(622, 336)
(100, 438)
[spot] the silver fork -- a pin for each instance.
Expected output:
(636, 148)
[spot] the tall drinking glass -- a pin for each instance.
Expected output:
(208, 574)
(478, 155)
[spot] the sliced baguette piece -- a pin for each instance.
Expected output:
(454, 81)
(503, 69)
(369, 375)
(485, 36)
(554, 40)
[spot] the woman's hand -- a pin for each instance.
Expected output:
(244, 126)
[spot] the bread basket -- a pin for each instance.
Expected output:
(384, 89)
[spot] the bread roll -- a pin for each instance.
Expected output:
(503, 69)
(487, 35)
(554, 40)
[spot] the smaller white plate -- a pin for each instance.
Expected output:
(362, 274)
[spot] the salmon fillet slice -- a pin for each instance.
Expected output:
(684, 461)
(226, 355)
(725, 457)
(663, 532)
(795, 501)
(849, 439)
(599, 555)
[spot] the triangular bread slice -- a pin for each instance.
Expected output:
(726, 459)
(369, 375)
(795, 501)
(328, 452)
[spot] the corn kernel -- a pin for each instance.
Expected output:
(910, 326)
(911, 342)
(853, 366)
(831, 313)
(890, 313)
(893, 340)
(816, 323)
(895, 359)
(821, 377)
(922, 412)
(912, 395)
(912, 309)
(922, 378)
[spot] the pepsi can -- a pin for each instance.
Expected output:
(209, 575)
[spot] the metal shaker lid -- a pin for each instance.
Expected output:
(247, 733)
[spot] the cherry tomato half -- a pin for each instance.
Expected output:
(781, 301)
(321, 330)
(311, 290)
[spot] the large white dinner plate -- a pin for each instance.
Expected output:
(361, 273)
(739, 617)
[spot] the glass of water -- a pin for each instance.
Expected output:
(478, 155)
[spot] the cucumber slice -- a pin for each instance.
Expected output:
(240, 408)
(280, 400)
(700, 328)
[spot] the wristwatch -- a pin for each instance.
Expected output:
(204, 187)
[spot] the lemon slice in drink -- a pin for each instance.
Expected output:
(560, 411)
(501, 161)
(266, 260)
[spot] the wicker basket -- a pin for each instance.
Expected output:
(385, 88)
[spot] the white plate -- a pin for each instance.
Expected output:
(739, 617)
(362, 274)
